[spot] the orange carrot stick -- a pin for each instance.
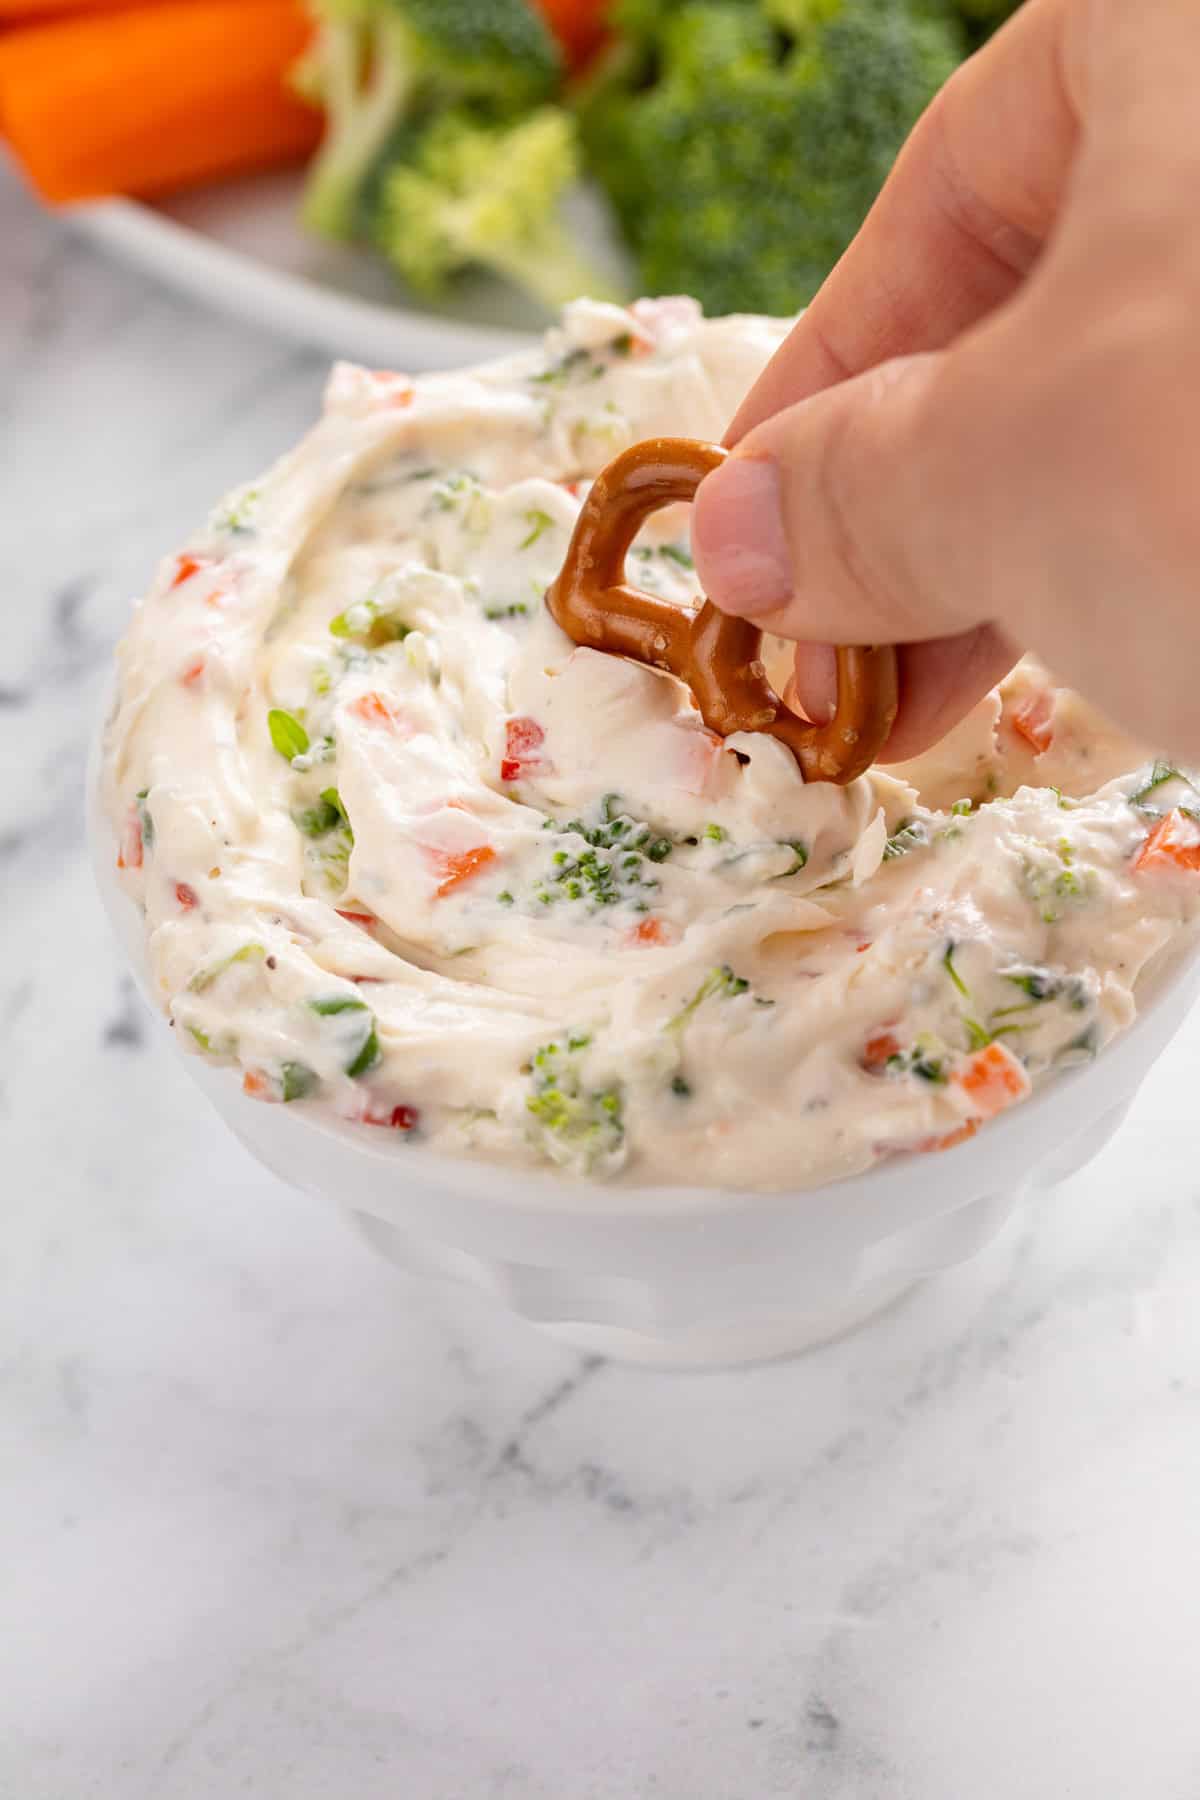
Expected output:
(18, 11)
(154, 97)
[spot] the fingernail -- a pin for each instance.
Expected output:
(737, 533)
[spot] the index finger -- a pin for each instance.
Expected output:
(957, 226)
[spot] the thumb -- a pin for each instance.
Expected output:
(823, 524)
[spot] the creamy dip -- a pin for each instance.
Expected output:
(411, 860)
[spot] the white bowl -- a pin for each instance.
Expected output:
(682, 1276)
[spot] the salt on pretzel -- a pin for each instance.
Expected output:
(717, 657)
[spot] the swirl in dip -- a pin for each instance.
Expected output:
(409, 858)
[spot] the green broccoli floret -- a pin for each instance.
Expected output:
(487, 196)
(572, 1124)
(743, 153)
(377, 66)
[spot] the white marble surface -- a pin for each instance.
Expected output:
(275, 1522)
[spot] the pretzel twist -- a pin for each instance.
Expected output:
(716, 656)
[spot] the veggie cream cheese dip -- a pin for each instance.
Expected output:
(410, 860)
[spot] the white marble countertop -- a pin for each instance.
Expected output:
(277, 1522)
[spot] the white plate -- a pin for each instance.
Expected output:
(240, 247)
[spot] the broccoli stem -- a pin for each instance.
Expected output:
(551, 269)
(361, 118)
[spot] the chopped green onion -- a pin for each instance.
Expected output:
(367, 1056)
(298, 1081)
(287, 734)
(317, 821)
(145, 822)
(1039, 984)
(952, 972)
(721, 981)
(538, 522)
(204, 978)
(799, 851)
(1160, 774)
(907, 836)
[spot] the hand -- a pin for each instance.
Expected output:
(984, 434)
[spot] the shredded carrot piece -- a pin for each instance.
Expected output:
(374, 709)
(952, 1137)
(1034, 721)
(457, 867)
(357, 918)
(993, 1079)
(193, 673)
(131, 853)
(256, 1084)
(1173, 844)
(651, 931)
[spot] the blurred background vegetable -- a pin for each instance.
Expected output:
(147, 99)
(474, 194)
(385, 70)
(741, 144)
(738, 143)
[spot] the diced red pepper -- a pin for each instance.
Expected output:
(581, 27)
(1034, 721)
(523, 738)
(399, 1118)
(366, 920)
(186, 896)
(455, 867)
(187, 565)
(878, 1051)
(1173, 844)
(194, 673)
